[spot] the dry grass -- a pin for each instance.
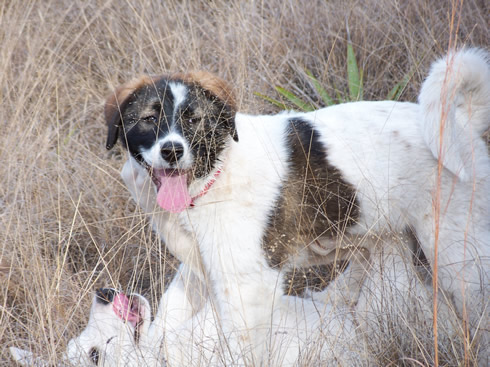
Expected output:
(67, 224)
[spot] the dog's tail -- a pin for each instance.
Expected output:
(455, 105)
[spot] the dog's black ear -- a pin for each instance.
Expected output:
(113, 120)
(105, 296)
(115, 105)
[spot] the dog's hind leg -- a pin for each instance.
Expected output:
(461, 262)
(396, 300)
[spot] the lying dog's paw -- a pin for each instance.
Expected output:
(26, 358)
(140, 184)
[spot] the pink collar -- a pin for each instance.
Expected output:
(206, 188)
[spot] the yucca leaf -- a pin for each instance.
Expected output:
(399, 87)
(340, 99)
(273, 101)
(353, 78)
(320, 90)
(361, 84)
(403, 84)
(291, 97)
(393, 92)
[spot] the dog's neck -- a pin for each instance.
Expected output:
(207, 186)
(201, 187)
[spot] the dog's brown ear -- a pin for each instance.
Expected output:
(115, 104)
(218, 88)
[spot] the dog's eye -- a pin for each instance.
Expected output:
(193, 120)
(150, 119)
(94, 355)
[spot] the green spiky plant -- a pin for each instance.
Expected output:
(354, 86)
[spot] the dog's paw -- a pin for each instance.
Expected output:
(139, 184)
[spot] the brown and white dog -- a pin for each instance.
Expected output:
(258, 192)
(239, 198)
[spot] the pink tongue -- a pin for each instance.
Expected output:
(173, 195)
(121, 307)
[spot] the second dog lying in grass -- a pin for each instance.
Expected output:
(120, 333)
(120, 330)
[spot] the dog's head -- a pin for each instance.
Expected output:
(176, 127)
(117, 323)
(113, 332)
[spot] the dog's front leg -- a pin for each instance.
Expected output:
(244, 288)
(186, 294)
(178, 241)
(139, 184)
(183, 298)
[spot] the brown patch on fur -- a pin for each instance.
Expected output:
(315, 278)
(122, 92)
(315, 202)
(213, 84)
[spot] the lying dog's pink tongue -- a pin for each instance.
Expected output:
(172, 194)
(124, 310)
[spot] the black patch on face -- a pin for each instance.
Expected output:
(105, 296)
(94, 355)
(147, 115)
(315, 201)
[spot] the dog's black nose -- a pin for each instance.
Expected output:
(172, 151)
(105, 295)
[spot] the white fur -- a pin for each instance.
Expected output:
(179, 92)
(187, 330)
(397, 185)
(187, 334)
